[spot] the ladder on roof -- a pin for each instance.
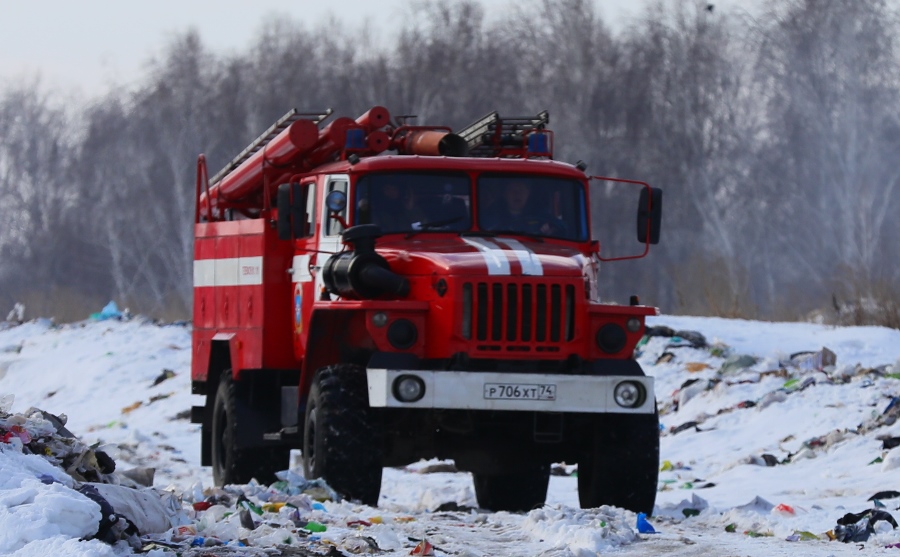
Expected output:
(490, 135)
(279, 126)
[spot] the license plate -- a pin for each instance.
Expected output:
(519, 391)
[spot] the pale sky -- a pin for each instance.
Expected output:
(85, 46)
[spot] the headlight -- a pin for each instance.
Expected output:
(629, 394)
(402, 334)
(611, 338)
(408, 388)
(633, 325)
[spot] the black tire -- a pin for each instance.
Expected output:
(342, 440)
(519, 490)
(232, 464)
(620, 468)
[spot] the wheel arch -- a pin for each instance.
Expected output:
(221, 354)
(335, 336)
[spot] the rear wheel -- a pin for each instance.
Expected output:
(341, 436)
(621, 466)
(518, 490)
(231, 463)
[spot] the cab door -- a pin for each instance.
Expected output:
(302, 268)
(330, 228)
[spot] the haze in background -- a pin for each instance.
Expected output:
(88, 47)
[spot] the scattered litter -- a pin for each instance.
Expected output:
(125, 513)
(668, 465)
(888, 443)
(771, 398)
(643, 526)
(796, 385)
(423, 548)
(758, 505)
(857, 527)
(659, 331)
(665, 358)
(801, 536)
(720, 350)
(684, 427)
(109, 311)
(166, 374)
(685, 508)
(694, 339)
(784, 510)
(737, 363)
(132, 407)
(695, 367)
(691, 388)
(882, 495)
(814, 360)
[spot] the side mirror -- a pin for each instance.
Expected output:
(291, 205)
(649, 215)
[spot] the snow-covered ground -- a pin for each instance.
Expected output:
(821, 430)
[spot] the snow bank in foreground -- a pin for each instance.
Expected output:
(126, 385)
(34, 514)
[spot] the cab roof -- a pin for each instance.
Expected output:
(386, 163)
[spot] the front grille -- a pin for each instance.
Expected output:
(516, 316)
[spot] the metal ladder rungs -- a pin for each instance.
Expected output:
(292, 116)
(479, 135)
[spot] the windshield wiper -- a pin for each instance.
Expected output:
(495, 233)
(433, 225)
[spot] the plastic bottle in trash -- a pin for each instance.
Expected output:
(315, 526)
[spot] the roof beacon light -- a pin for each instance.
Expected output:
(538, 144)
(356, 139)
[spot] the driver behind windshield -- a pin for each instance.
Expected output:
(414, 202)
(518, 210)
(393, 208)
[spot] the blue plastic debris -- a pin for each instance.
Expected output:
(109, 311)
(643, 526)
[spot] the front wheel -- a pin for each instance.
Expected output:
(518, 490)
(621, 466)
(341, 436)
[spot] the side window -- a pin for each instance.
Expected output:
(333, 226)
(310, 225)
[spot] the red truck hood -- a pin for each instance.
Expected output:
(501, 256)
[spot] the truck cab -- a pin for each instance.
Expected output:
(374, 309)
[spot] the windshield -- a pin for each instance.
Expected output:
(507, 204)
(406, 202)
(535, 205)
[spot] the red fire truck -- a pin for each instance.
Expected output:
(374, 293)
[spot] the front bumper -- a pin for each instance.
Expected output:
(474, 390)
